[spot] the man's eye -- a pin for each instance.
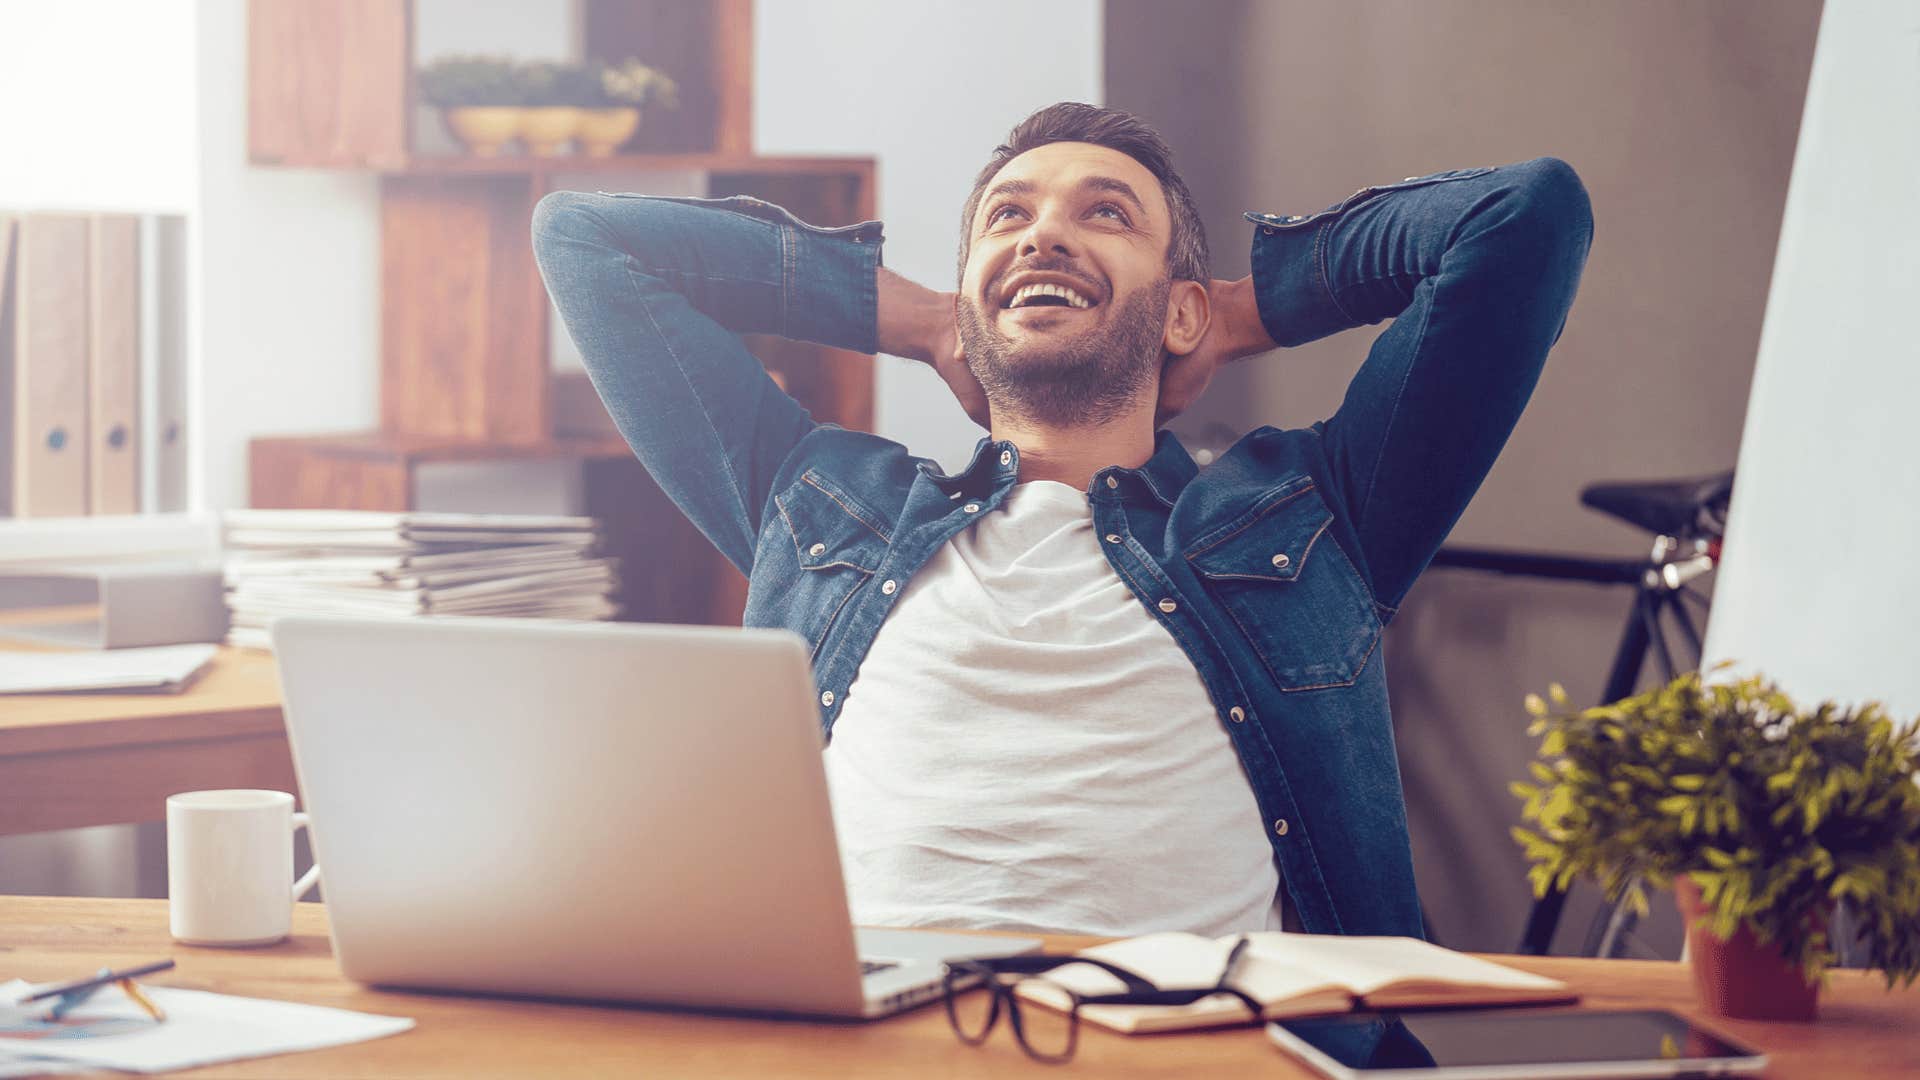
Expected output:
(1117, 213)
(995, 216)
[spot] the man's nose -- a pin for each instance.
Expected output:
(1048, 234)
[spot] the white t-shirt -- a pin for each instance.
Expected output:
(1025, 748)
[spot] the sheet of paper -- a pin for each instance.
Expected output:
(200, 1029)
(1366, 964)
(1183, 961)
(154, 667)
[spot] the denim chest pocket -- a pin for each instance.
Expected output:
(1294, 594)
(1301, 221)
(838, 543)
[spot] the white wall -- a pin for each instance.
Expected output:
(1820, 586)
(929, 90)
(286, 272)
(93, 120)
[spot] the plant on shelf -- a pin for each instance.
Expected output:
(479, 98)
(555, 96)
(1762, 816)
(619, 92)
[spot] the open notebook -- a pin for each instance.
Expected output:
(1291, 974)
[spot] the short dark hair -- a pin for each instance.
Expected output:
(1076, 121)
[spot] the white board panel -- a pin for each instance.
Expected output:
(1820, 588)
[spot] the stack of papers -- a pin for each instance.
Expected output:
(403, 565)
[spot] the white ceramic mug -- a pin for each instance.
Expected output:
(229, 858)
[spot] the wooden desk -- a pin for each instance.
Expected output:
(70, 760)
(1864, 1031)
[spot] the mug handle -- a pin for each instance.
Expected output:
(312, 877)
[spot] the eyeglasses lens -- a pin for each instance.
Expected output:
(1045, 1032)
(972, 1011)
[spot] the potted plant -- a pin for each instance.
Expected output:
(1761, 816)
(555, 93)
(479, 98)
(613, 115)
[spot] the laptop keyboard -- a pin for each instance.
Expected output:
(869, 967)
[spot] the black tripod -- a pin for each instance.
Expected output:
(1688, 520)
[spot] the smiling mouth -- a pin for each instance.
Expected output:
(1048, 296)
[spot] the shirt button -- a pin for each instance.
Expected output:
(826, 698)
(1281, 560)
(888, 586)
(1266, 230)
(816, 549)
(1113, 538)
(971, 508)
(1113, 482)
(1279, 827)
(1237, 714)
(1169, 606)
(1006, 457)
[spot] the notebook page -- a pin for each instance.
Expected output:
(1177, 961)
(1366, 965)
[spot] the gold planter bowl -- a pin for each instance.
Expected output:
(603, 131)
(483, 128)
(548, 128)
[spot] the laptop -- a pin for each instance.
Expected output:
(594, 811)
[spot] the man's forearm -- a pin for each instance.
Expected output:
(909, 317)
(1236, 317)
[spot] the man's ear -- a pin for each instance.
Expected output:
(1189, 312)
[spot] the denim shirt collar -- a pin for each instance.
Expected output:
(1162, 477)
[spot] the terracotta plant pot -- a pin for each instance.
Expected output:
(548, 128)
(1741, 978)
(602, 131)
(483, 128)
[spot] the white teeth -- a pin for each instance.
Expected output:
(1043, 289)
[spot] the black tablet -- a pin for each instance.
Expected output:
(1506, 1044)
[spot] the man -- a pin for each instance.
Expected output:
(1083, 685)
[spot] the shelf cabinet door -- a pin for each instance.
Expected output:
(329, 82)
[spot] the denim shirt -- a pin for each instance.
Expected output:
(1274, 568)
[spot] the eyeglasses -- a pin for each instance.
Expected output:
(1048, 1034)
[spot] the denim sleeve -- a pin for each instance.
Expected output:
(655, 292)
(1478, 270)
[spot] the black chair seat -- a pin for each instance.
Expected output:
(1665, 507)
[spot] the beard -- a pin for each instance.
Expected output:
(1055, 379)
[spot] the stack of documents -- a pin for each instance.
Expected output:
(352, 562)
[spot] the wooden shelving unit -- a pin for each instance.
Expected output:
(465, 371)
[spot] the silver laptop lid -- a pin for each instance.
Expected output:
(593, 810)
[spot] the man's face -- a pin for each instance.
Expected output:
(1063, 303)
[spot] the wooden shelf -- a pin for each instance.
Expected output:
(744, 164)
(395, 448)
(465, 372)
